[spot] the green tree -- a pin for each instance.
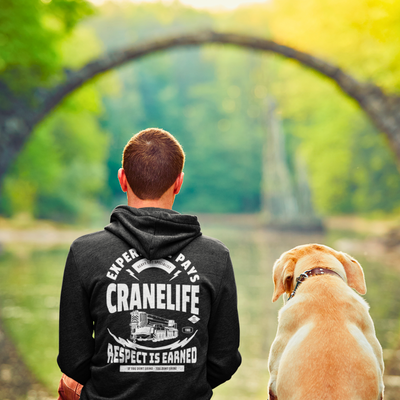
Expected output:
(352, 167)
(61, 171)
(30, 32)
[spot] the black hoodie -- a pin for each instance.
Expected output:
(148, 309)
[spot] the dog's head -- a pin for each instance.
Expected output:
(285, 266)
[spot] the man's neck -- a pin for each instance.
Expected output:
(166, 201)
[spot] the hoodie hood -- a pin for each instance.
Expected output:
(153, 232)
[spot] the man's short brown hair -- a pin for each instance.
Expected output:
(152, 161)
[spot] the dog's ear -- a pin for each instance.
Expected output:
(354, 273)
(283, 276)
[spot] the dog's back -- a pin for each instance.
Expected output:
(325, 348)
(328, 356)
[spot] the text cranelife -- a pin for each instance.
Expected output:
(160, 296)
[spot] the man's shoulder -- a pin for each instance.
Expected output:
(212, 244)
(92, 240)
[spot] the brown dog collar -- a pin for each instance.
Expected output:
(311, 272)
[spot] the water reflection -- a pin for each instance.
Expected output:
(30, 284)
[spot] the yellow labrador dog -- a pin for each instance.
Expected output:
(325, 348)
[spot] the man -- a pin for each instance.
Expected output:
(148, 305)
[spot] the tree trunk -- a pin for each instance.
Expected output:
(15, 128)
(14, 132)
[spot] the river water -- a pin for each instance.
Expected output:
(30, 280)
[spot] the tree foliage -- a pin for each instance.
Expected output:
(30, 33)
(352, 168)
(61, 171)
(212, 99)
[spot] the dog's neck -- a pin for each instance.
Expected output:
(309, 273)
(319, 260)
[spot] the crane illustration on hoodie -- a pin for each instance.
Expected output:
(148, 309)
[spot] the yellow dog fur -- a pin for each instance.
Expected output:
(325, 347)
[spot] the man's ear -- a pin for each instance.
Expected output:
(178, 183)
(122, 180)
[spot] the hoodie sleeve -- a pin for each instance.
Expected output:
(223, 355)
(76, 343)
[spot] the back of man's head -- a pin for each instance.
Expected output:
(152, 160)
